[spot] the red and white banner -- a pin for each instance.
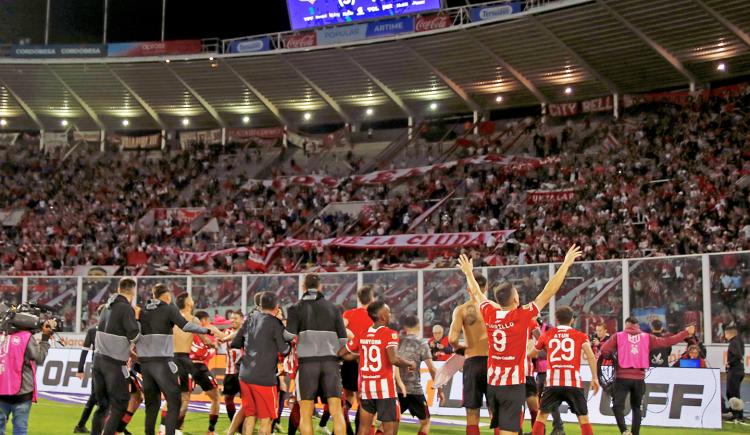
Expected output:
(206, 137)
(433, 22)
(264, 137)
(389, 176)
(301, 40)
(519, 163)
(564, 109)
(403, 241)
(296, 180)
(602, 104)
(184, 215)
(151, 141)
(549, 196)
(87, 136)
(8, 139)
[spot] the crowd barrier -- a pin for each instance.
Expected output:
(707, 290)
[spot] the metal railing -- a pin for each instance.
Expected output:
(705, 289)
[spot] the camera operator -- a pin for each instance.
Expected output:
(155, 352)
(19, 355)
(117, 330)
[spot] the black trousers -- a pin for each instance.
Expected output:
(541, 380)
(636, 389)
(87, 408)
(160, 377)
(734, 382)
(111, 388)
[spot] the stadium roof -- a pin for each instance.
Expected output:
(596, 47)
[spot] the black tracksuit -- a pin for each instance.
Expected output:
(735, 370)
(117, 329)
(88, 344)
(155, 351)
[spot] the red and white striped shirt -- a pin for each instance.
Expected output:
(376, 380)
(507, 332)
(563, 345)
(233, 358)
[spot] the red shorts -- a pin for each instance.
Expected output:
(259, 401)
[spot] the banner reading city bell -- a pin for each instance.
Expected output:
(675, 397)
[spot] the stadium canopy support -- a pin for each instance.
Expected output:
(512, 70)
(146, 107)
(382, 86)
(462, 94)
(262, 98)
(211, 111)
(323, 94)
(25, 107)
(651, 43)
(577, 57)
(741, 34)
(86, 108)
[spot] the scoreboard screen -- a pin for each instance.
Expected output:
(305, 14)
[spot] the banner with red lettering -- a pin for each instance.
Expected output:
(301, 40)
(389, 176)
(433, 22)
(151, 141)
(264, 137)
(518, 163)
(206, 137)
(184, 215)
(402, 241)
(563, 109)
(260, 258)
(601, 104)
(549, 196)
(295, 180)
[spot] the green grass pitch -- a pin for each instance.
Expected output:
(53, 418)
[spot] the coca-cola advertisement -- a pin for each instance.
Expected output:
(433, 22)
(301, 40)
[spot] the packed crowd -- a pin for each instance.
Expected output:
(664, 179)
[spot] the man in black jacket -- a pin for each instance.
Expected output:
(155, 351)
(321, 331)
(118, 329)
(659, 357)
(262, 342)
(735, 366)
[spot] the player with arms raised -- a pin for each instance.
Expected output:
(468, 320)
(377, 351)
(564, 346)
(508, 325)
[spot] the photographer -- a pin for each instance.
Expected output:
(19, 355)
(117, 330)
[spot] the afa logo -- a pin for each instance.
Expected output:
(345, 3)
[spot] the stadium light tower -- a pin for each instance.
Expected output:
(433, 106)
(369, 111)
(308, 116)
(246, 119)
(125, 123)
(568, 90)
(721, 67)
(185, 122)
(499, 99)
(64, 122)
(3, 122)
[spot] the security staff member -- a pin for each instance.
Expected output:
(155, 352)
(117, 330)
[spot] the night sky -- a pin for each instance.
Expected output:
(81, 21)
